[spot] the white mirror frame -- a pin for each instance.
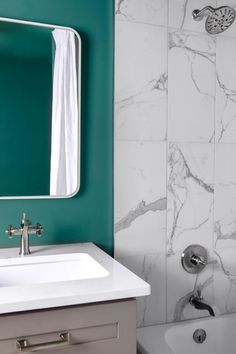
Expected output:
(38, 24)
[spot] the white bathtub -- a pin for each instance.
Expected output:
(178, 338)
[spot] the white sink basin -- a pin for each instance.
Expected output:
(49, 269)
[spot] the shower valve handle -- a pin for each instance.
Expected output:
(194, 259)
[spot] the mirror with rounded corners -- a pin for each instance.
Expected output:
(40, 80)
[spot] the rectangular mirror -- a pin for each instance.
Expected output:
(40, 76)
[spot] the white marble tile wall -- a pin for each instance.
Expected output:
(191, 73)
(140, 220)
(141, 94)
(140, 147)
(175, 153)
(151, 12)
(225, 90)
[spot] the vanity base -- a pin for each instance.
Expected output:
(98, 328)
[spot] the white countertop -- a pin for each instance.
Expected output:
(119, 284)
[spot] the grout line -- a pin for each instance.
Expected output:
(167, 148)
(175, 142)
(142, 23)
(214, 174)
(173, 28)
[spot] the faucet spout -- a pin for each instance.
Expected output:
(24, 242)
(196, 301)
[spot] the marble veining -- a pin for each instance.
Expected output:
(225, 281)
(178, 39)
(144, 11)
(225, 121)
(118, 7)
(141, 209)
(152, 268)
(225, 196)
(140, 218)
(140, 95)
(220, 235)
(184, 13)
(159, 84)
(225, 90)
(190, 56)
(148, 269)
(231, 277)
(186, 191)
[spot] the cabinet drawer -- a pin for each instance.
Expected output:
(97, 328)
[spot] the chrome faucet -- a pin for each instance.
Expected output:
(24, 231)
(196, 301)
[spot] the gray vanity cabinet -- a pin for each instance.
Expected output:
(101, 328)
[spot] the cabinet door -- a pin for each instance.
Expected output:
(105, 328)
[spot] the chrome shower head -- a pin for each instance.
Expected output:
(218, 20)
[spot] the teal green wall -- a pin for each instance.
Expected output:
(26, 72)
(89, 215)
(28, 83)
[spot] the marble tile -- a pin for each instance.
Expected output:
(180, 14)
(190, 193)
(225, 280)
(151, 268)
(145, 11)
(191, 97)
(225, 90)
(181, 285)
(140, 82)
(140, 198)
(225, 196)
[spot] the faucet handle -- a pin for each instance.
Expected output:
(39, 229)
(9, 231)
(198, 260)
(194, 259)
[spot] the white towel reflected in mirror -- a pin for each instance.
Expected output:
(64, 136)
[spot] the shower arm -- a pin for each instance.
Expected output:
(199, 14)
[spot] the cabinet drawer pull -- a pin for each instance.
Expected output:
(24, 346)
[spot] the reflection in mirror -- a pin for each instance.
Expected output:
(39, 110)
